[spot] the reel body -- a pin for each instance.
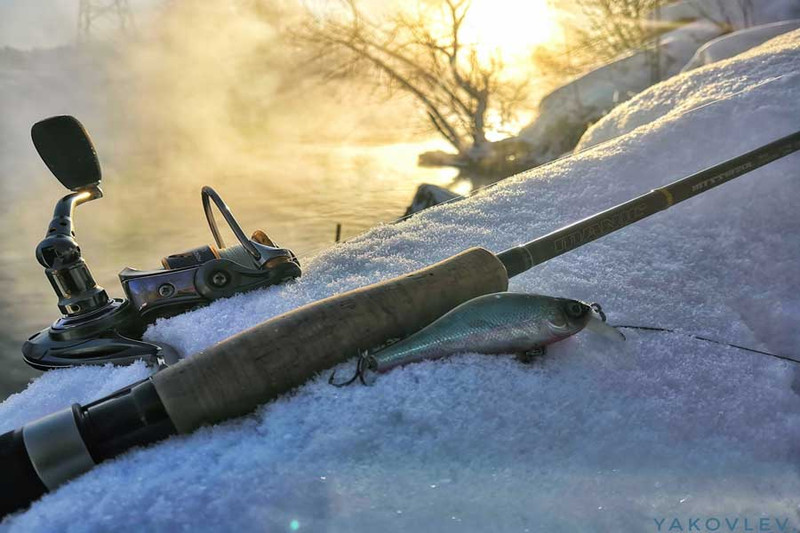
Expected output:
(198, 276)
(96, 329)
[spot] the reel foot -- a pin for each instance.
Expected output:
(94, 339)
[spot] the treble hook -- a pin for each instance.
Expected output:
(359, 374)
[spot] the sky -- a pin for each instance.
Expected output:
(27, 24)
(37, 23)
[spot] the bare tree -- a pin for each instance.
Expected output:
(614, 27)
(729, 15)
(617, 26)
(423, 53)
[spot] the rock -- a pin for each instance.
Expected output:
(438, 158)
(428, 195)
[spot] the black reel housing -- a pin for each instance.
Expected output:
(96, 329)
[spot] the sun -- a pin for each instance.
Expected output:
(511, 27)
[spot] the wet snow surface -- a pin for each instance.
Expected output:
(597, 436)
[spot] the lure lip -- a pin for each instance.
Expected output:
(596, 324)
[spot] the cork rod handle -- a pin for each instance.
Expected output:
(255, 366)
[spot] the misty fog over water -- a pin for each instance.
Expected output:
(205, 97)
(144, 217)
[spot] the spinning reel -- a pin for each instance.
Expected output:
(96, 329)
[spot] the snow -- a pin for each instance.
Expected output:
(565, 113)
(598, 436)
(764, 76)
(737, 42)
(731, 12)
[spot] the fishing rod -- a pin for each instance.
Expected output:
(235, 376)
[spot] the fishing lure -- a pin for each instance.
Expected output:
(503, 322)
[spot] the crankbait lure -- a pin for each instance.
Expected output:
(496, 323)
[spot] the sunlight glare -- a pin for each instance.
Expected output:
(512, 27)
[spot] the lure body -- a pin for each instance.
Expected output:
(497, 323)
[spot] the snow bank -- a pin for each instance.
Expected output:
(759, 77)
(737, 42)
(565, 113)
(597, 436)
(737, 14)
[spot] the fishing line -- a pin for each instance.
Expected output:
(706, 339)
(361, 365)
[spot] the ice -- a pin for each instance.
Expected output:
(597, 436)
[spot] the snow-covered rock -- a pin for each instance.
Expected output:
(565, 113)
(759, 74)
(596, 436)
(739, 41)
(429, 195)
(736, 14)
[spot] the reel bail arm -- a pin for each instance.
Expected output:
(206, 273)
(261, 248)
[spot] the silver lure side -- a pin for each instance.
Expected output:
(497, 323)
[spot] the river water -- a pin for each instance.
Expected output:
(298, 198)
